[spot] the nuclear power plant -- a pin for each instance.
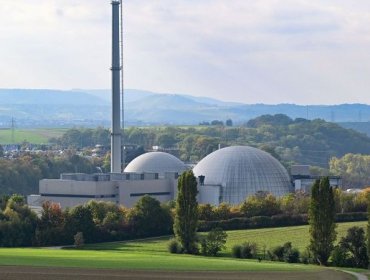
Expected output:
(226, 175)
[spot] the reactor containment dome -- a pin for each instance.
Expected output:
(242, 171)
(156, 162)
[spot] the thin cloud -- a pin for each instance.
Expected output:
(268, 51)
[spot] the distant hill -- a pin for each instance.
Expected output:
(80, 107)
(363, 127)
(48, 97)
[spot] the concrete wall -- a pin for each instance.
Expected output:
(60, 187)
(131, 191)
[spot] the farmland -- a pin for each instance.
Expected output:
(34, 136)
(151, 254)
(149, 259)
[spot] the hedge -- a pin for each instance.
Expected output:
(273, 221)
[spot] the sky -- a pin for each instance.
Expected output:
(265, 51)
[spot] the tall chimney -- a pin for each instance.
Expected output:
(116, 82)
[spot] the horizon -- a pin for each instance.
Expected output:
(87, 91)
(312, 52)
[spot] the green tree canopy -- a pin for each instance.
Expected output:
(353, 168)
(322, 220)
(186, 217)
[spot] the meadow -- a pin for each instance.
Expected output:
(151, 254)
(34, 136)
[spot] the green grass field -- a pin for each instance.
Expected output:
(152, 254)
(34, 136)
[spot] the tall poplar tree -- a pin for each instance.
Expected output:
(322, 220)
(186, 219)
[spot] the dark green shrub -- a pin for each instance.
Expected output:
(284, 253)
(213, 242)
(277, 253)
(340, 257)
(174, 246)
(291, 255)
(236, 251)
(249, 250)
(354, 244)
(351, 217)
(306, 257)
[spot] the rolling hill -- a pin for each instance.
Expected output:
(57, 108)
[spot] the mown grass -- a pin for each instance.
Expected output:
(34, 136)
(137, 259)
(271, 237)
(267, 237)
(151, 254)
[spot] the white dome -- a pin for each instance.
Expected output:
(155, 162)
(242, 171)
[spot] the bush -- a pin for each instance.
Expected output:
(291, 255)
(260, 205)
(249, 250)
(245, 251)
(354, 246)
(277, 254)
(284, 253)
(236, 251)
(174, 247)
(306, 257)
(340, 257)
(213, 242)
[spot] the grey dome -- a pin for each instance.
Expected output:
(242, 171)
(156, 162)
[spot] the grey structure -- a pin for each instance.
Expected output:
(116, 136)
(234, 173)
(303, 179)
(120, 188)
(156, 162)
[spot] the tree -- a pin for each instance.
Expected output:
(353, 168)
(355, 244)
(148, 218)
(80, 219)
(17, 224)
(322, 220)
(229, 122)
(213, 242)
(217, 123)
(50, 228)
(186, 212)
(260, 205)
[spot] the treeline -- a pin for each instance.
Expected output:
(93, 222)
(291, 141)
(266, 210)
(102, 221)
(22, 174)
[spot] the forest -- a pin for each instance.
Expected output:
(297, 141)
(327, 147)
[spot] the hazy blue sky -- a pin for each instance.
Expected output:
(265, 51)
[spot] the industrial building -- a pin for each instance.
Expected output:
(303, 179)
(226, 175)
(234, 173)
